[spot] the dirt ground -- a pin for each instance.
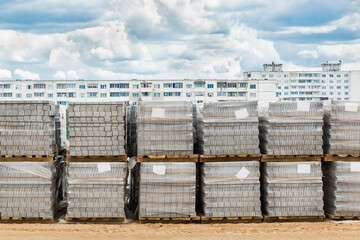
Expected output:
(324, 230)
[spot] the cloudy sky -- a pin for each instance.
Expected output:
(156, 39)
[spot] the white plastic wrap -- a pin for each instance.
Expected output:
(27, 128)
(228, 128)
(96, 189)
(231, 189)
(27, 189)
(291, 189)
(167, 190)
(96, 129)
(165, 128)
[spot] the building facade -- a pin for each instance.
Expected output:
(329, 84)
(133, 91)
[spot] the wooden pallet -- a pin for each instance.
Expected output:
(120, 158)
(26, 220)
(95, 220)
(169, 158)
(229, 158)
(295, 219)
(348, 158)
(291, 158)
(341, 218)
(231, 219)
(170, 220)
(22, 158)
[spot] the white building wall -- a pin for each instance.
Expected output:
(355, 85)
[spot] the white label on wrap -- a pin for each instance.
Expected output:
(243, 173)
(103, 167)
(242, 113)
(303, 106)
(351, 107)
(303, 168)
(355, 167)
(158, 113)
(159, 170)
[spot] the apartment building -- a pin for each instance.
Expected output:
(133, 91)
(329, 84)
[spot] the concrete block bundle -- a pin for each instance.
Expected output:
(342, 188)
(292, 128)
(342, 128)
(27, 189)
(231, 189)
(96, 129)
(27, 128)
(96, 189)
(228, 128)
(165, 128)
(167, 190)
(292, 189)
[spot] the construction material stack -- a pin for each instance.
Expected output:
(342, 160)
(291, 138)
(168, 166)
(96, 163)
(27, 170)
(230, 162)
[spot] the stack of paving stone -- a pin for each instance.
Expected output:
(293, 128)
(291, 189)
(96, 129)
(229, 128)
(342, 188)
(165, 128)
(96, 189)
(167, 190)
(27, 128)
(27, 190)
(342, 128)
(231, 189)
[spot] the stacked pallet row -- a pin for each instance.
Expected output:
(96, 163)
(168, 166)
(342, 161)
(230, 169)
(27, 171)
(291, 138)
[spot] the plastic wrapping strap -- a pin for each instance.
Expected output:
(229, 179)
(30, 167)
(293, 179)
(80, 180)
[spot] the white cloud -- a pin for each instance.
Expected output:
(308, 54)
(4, 73)
(347, 52)
(26, 74)
(71, 74)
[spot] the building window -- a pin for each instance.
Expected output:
(135, 86)
(62, 103)
(188, 85)
(146, 85)
(231, 85)
(156, 94)
(199, 85)
(177, 85)
(323, 93)
(61, 86)
(210, 86)
(346, 87)
(346, 93)
(119, 85)
(82, 95)
(156, 86)
(92, 94)
(29, 95)
(264, 75)
(167, 85)
(103, 95)
(50, 95)
(346, 81)
(18, 95)
(252, 95)
(279, 87)
(145, 94)
(71, 85)
(331, 87)
(102, 86)
(241, 94)
(252, 86)
(39, 94)
(119, 94)
(39, 86)
(188, 94)
(271, 75)
(50, 87)
(61, 94)
(82, 86)
(338, 87)
(28, 86)
(92, 86)
(339, 75)
(331, 75)
(221, 94)
(16, 87)
(199, 94)
(210, 94)
(135, 95)
(242, 85)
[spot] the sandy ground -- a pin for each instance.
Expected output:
(324, 230)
